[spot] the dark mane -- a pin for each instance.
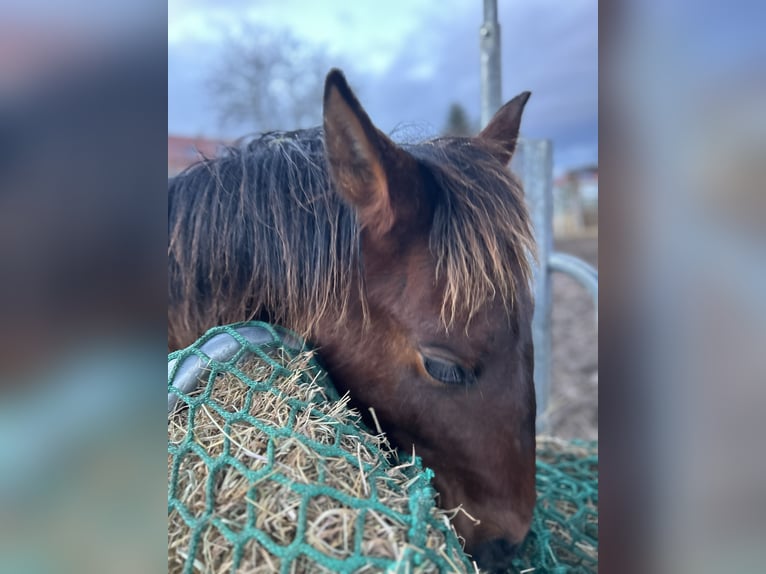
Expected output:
(263, 220)
(481, 235)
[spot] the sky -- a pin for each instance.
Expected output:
(409, 60)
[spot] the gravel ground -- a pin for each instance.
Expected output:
(573, 404)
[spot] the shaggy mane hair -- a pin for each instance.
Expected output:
(260, 233)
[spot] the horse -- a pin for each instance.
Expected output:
(407, 265)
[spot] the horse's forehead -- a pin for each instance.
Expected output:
(418, 292)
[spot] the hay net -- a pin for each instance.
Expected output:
(563, 538)
(270, 471)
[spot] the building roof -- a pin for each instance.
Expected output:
(184, 151)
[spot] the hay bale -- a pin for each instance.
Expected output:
(268, 473)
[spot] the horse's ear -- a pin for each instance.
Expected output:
(503, 128)
(361, 157)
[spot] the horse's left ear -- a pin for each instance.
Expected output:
(503, 129)
(364, 162)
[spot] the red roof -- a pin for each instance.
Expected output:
(184, 151)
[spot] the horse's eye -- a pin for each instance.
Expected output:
(447, 372)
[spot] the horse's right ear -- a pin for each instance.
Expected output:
(362, 158)
(503, 129)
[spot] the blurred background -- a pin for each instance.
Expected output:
(82, 286)
(239, 67)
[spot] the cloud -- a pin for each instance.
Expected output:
(551, 52)
(410, 61)
(190, 108)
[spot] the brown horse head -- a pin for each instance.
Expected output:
(446, 358)
(407, 266)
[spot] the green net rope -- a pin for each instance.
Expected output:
(564, 534)
(417, 517)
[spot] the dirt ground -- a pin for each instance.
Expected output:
(573, 403)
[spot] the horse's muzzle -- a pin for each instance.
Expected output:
(495, 555)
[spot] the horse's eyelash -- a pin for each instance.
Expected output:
(450, 374)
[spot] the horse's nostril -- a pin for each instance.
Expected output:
(495, 555)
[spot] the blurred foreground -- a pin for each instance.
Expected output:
(82, 292)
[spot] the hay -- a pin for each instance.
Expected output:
(231, 522)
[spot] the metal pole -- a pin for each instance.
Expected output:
(491, 93)
(533, 161)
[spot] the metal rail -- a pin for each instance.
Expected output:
(579, 270)
(221, 348)
(533, 162)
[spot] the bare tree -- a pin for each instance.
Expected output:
(267, 80)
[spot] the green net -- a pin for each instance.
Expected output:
(270, 471)
(564, 533)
